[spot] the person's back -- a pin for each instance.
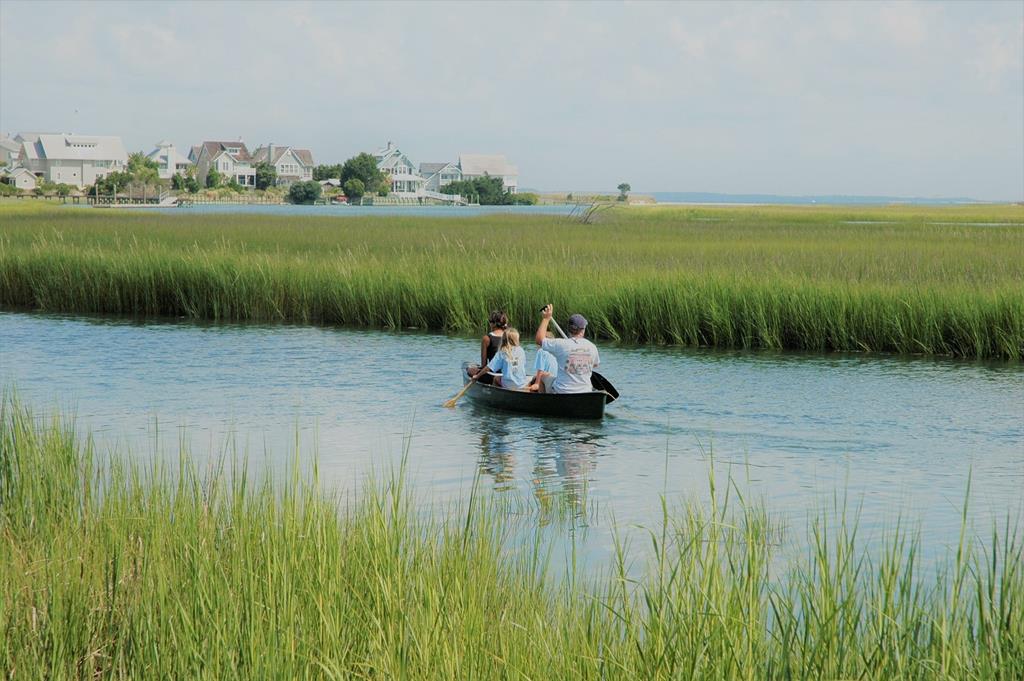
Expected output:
(577, 357)
(545, 362)
(489, 345)
(494, 341)
(510, 362)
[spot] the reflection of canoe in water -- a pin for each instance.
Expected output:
(575, 406)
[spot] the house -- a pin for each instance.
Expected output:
(9, 150)
(169, 160)
(231, 159)
(493, 165)
(78, 160)
(22, 178)
(291, 164)
(404, 179)
(437, 175)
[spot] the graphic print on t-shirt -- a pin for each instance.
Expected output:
(580, 362)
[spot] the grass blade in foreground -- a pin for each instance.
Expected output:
(116, 571)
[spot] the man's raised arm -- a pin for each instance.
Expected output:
(542, 330)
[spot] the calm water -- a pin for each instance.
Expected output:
(898, 435)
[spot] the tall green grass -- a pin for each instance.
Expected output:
(111, 570)
(911, 281)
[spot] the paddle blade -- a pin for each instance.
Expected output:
(599, 382)
(450, 404)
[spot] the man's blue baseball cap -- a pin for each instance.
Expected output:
(578, 321)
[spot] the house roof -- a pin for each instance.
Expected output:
(30, 137)
(9, 144)
(164, 149)
(305, 156)
(76, 148)
(14, 172)
(390, 152)
(489, 164)
(428, 169)
(214, 148)
(386, 151)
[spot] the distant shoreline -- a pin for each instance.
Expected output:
(725, 199)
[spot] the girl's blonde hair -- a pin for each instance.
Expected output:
(511, 341)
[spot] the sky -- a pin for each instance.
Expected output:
(866, 98)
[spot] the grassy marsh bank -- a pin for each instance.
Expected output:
(111, 570)
(946, 280)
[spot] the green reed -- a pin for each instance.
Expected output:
(912, 280)
(111, 569)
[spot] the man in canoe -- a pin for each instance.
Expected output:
(577, 357)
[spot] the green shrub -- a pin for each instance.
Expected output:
(304, 192)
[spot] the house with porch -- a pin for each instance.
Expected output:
(291, 164)
(473, 166)
(231, 159)
(404, 179)
(437, 175)
(65, 158)
(169, 160)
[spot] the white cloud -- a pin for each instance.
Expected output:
(742, 97)
(999, 59)
(904, 23)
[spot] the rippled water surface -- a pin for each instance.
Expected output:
(899, 436)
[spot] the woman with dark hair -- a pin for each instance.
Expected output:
(490, 344)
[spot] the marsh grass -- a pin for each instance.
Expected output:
(112, 570)
(907, 280)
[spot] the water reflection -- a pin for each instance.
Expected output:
(565, 462)
(497, 446)
(557, 457)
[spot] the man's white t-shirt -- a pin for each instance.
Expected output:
(577, 358)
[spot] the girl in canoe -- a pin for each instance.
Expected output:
(490, 344)
(509, 361)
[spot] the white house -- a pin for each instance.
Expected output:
(9, 150)
(493, 165)
(437, 175)
(231, 159)
(169, 160)
(404, 179)
(22, 178)
(78, 160)
(291, 164)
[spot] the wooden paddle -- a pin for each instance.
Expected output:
(451, 403)
(597, 381)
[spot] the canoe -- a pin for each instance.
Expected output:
(589, 405)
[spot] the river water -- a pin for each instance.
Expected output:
(897, 436)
